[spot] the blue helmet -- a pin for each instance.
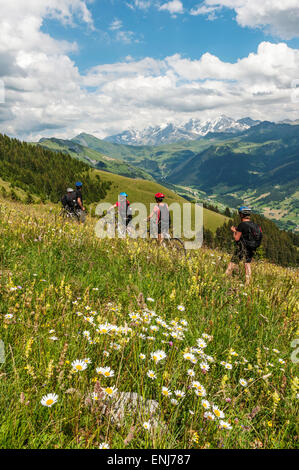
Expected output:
(78, 184)
(123, 194)
(244, 210)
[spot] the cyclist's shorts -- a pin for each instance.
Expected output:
(241, 253)
(162, 228)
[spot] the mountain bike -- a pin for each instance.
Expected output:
(76, 214)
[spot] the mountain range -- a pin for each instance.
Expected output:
(191, 130)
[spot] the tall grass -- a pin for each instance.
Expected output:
(59, 281)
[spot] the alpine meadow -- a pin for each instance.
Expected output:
(149, 230)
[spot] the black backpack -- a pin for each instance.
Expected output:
(254, 236)
(70, 199)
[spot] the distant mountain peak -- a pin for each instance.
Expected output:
(170, 132)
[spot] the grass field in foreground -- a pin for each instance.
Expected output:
(66, 296)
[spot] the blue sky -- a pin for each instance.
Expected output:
(104, 66)
(157, 34)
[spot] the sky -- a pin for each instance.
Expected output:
(105, 66)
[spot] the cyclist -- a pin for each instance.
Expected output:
(248, 237)
(79, 198)
(124, 209)
(160, 216)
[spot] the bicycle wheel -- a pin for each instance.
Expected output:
(175, 245)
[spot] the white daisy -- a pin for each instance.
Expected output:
(166, 392)
(79, 365)
(224, 425)
(243, 382)
(158, 355)
(49, 400)
(151, 374)
(205, 404)
(201, 343)
(104, 445)
(110, 391)
(218, 412)
(105, 371)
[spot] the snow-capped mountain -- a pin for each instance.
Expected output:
(191, 130)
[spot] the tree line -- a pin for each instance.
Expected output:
(44, 173)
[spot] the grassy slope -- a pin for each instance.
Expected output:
(143, 191)
(93, 157)
(57, 265)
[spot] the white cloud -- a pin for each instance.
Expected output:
(47, 96)
(175, 6)
(115, 25)
(142, 4)
(279, 17)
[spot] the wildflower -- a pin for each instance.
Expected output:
(86, 334)
(105, 371)
(200, 391)
(218, 412)
(154, 327)
(191, 372)
(243, 382)
(184, 322)
(151, 374)
(205, 404)
(104, 328)
(179, 393)
(8, 316)
(49, 400)
(109, 391)
(146, 425)
(201, 343)
(106, 353)
(173, 401)
(53, 338)
(142, 356)
(275, 350)
(281, 361)
(181, 308)
(204, 366)
(79, 365)
(208, 415)
(87, 360)
(104, 445)
(166, 392)
(228, 366)
(224, 425)
(158, 355)
(190, 357)
(94, 396)
(134, 316)
(206, 336)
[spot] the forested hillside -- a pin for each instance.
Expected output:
(44, 173)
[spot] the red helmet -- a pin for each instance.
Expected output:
(159, 195)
